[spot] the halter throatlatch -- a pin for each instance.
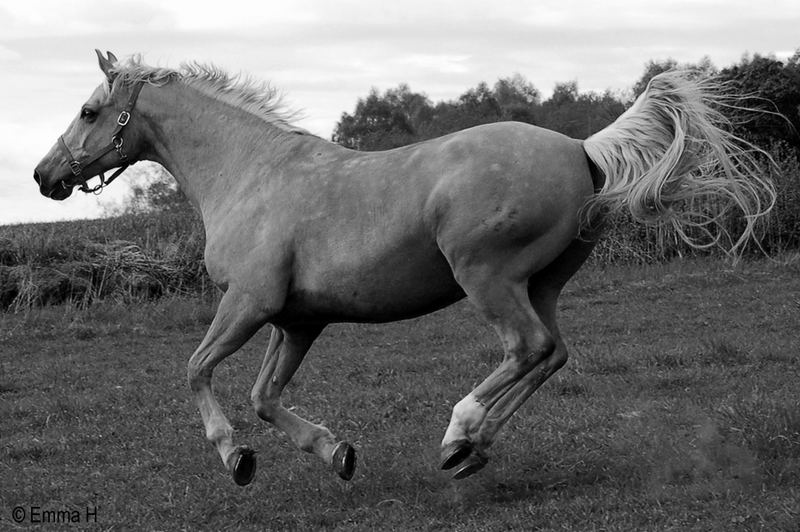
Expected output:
(116, 144)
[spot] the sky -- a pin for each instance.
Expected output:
(325, 55)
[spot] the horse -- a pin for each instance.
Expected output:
(302, 232)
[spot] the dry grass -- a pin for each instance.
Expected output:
(125, 259)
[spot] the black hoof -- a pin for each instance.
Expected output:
(454, 453)
(344, 460)
(243, 467)
(471, 465)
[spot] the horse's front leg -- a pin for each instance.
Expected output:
(238, 318)
(287, 347)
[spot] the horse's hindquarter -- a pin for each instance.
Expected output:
(516, 207)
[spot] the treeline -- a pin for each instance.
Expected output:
(401, 116)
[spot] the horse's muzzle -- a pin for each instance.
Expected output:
(57, 191)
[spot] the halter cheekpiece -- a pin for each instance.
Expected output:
(116, 144)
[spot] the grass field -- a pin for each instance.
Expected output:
(678, 410)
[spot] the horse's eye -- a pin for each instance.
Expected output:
(88, 114)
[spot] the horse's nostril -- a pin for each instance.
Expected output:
(37, 178)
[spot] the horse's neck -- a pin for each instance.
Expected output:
(209, 146)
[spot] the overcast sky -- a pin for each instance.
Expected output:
(324, 55)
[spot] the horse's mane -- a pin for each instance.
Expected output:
(254, 96)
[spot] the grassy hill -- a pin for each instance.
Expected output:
(129, 257)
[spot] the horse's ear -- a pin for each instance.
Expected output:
(107, 64)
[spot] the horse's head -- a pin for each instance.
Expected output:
(98, 139)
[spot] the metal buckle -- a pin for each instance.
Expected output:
(123, 118)
(75, 166)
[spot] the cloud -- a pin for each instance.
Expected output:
(43, 18)
(8, 55)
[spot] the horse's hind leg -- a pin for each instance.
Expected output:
(237, 319)
(286, 350)
(543, 291)
(529, 347)
(534, 351)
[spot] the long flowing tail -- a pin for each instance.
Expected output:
(671, 160)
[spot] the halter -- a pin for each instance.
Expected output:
(116, 144)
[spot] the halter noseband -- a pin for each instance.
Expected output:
(116, 143)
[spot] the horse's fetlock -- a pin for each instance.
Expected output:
(217, 434)
(469, 412)
(198, 378)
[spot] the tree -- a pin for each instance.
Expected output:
(517, 98)
(383, 121)
(514, 91)
(478, 105)
(579, 115)
(154, 189)
(772, 86)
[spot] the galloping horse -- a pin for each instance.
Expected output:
(301, 232)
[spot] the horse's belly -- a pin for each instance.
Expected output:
(377, 290)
